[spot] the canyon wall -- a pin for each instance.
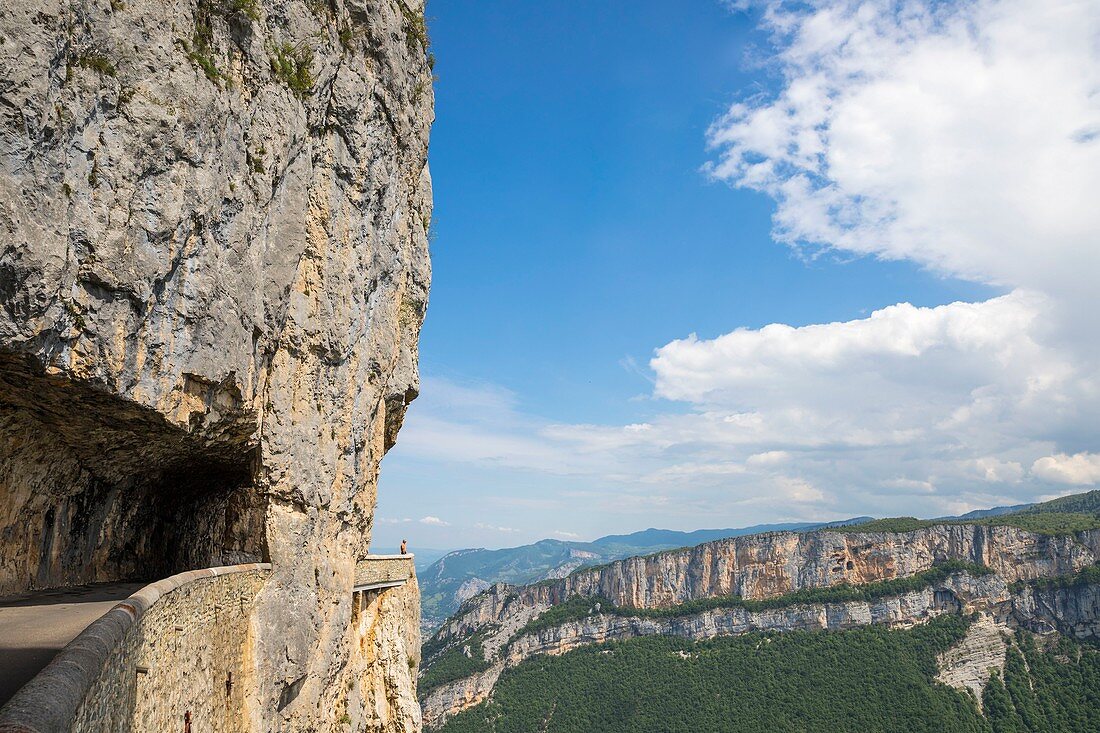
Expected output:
(213, 272)
(775, 563)
(1074, 610)
(772, 565)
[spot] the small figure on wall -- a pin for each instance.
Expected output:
(404, 547)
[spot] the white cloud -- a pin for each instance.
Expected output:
(910, 485)
(434, 521)
(964, 136)
(566, 535)
(993, 470)
(964, 342)
(799, 490)
(1079, 469)
(494, 528)
(769, 458)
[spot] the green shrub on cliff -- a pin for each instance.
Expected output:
(462, 660)
(577, 607)
(293, 65)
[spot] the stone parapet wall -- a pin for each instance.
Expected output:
(178, 650)
(376, 569)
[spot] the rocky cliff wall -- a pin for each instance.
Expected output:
(384, 661)
(1074, 610)
(213, 272)
(772, 564)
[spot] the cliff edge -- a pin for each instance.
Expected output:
(213, 273)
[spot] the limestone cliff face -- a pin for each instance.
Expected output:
(970, 664)
(504, 648)
(1074, 611)
(769, 565)
(772, 564)
(213, 272)
(380, 680)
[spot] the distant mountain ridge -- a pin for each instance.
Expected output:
(1004, 578)
(461, 574)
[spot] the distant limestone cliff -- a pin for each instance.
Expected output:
(461, 574)
(213, 273)
(1035, 570)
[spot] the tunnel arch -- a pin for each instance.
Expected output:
(95, 487)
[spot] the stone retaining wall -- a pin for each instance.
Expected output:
(383, 569)
(172, 657)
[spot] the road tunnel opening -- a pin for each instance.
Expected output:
(95, 488)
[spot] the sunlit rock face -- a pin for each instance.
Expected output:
(213, 272)
(773, 564)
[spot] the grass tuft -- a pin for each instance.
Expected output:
(293, 66)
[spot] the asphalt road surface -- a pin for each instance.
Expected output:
(36, 626)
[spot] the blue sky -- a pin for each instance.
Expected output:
(577, 233)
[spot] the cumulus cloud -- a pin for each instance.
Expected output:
(495, 528)
(962, 136)
(434, 521)
(1079, 469)
(566, 535)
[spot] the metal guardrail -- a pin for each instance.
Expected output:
(383, 571)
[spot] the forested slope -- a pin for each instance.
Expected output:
(865, 680)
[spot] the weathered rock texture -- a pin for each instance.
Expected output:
(970, 664)
(775, 563)
(213, 271)
(385, 656)
(770, 565)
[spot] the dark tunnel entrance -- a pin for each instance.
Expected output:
(94, 487)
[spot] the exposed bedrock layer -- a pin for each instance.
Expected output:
(771, 565)
(775, 563)
(1073, 610)
(213, 272)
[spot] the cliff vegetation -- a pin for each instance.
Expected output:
(869, 679)
(1065, 515)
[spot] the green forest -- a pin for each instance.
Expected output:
(1053, 690)
(1066, 515)
(867, 680)
(443, 666)
(452, 664)
(1048, 523)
